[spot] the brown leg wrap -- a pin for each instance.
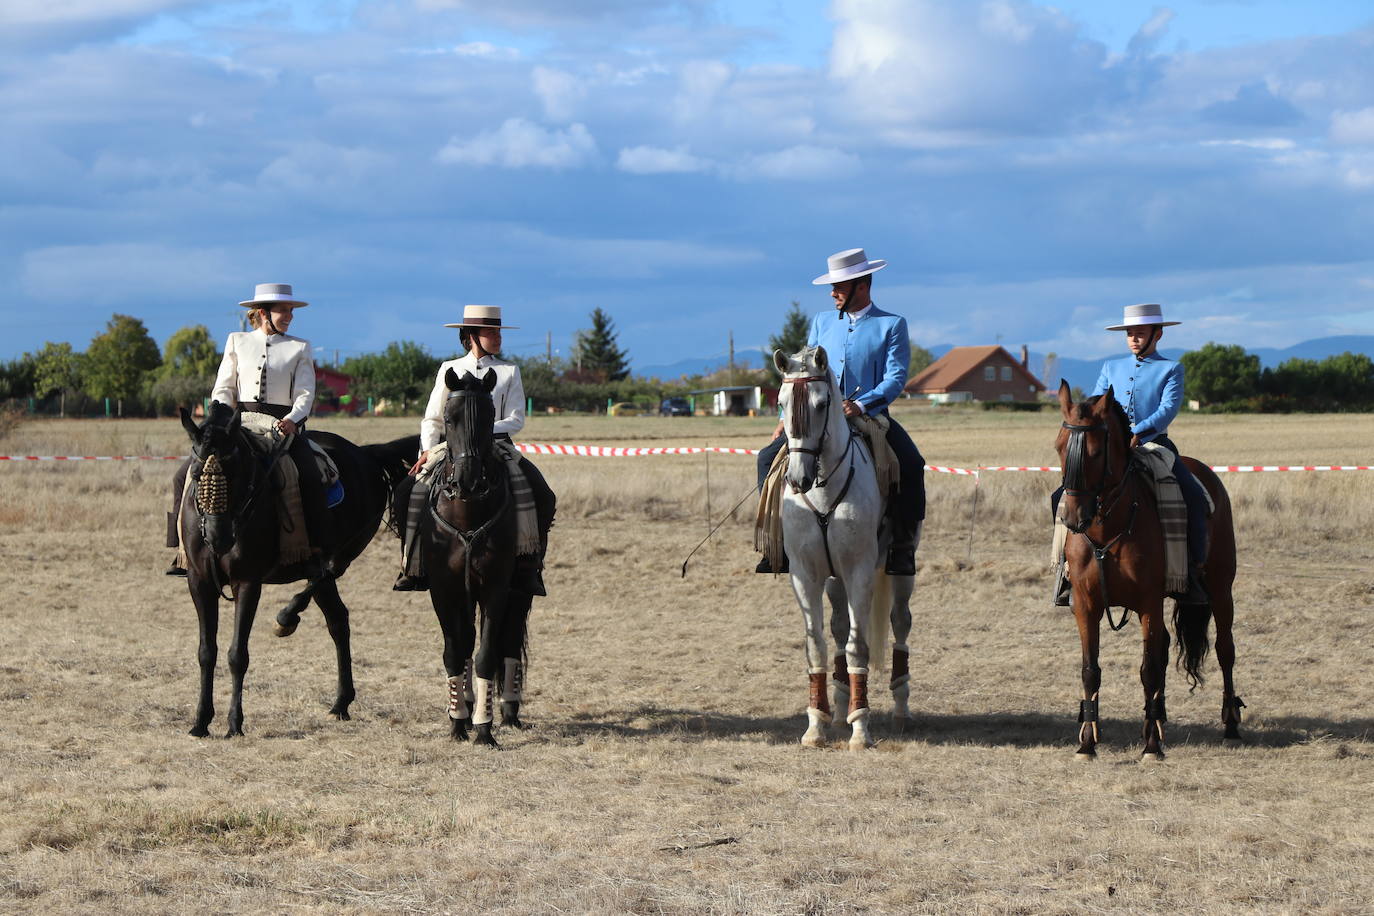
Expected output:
(900, 666)
(819, 699)
(858, 692)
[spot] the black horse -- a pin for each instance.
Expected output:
(469, 539)
(229, 527)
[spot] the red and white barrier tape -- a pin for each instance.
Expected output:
(608, 451)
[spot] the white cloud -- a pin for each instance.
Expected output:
(700, 82)
(521, 144)
(487, 50)
(1353, 128)
(652, 160)
(559, 91)
(70, 12)
(630, 258)
(319, 168)
(799, 163)
(120, 273)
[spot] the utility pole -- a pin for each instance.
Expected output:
(732, 358)
(548, 347)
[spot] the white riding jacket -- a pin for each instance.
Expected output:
(271, 369)
(508, 396)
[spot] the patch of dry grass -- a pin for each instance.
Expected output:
(666, 711)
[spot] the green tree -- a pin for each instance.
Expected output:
(56, 368)
(920, 359)
(595, 350)
(17, 377)
(1217, 373)
(190, 351)
(795, 328)
(118, 361)
(403, 372)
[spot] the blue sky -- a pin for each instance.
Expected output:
(1026, 168)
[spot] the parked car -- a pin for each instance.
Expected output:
(675, 407)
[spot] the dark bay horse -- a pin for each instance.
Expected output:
(229, 527)
(469, 540)
(1115, 558)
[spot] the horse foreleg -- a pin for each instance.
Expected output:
(512, 657)
(245, 609)
(1089, 619)
(860, 593)
(1153, 667)
(811, 600)
(900, 589)
(1223, 612)
(206, 599)
(839, 631)
(336, 619)
(457, 662)
(289, 617)
(484, 664)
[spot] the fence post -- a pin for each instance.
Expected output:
(107, 408)
(529, 406)
(609, 402)
(31, 407)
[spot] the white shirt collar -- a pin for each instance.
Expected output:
(855, 316)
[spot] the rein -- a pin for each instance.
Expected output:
(1075, 482)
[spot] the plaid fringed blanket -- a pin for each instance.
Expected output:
(768, 520)
(1158, 462)
(526, 519)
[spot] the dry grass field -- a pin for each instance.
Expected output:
(662, 772)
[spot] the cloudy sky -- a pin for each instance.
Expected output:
(687, 165)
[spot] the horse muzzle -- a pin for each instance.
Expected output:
(218, 531)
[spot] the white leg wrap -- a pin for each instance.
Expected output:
(481, 707)
(457, 706)
(512, 681)
(860, 739)
(816, 722)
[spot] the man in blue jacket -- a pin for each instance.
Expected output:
(869, 352)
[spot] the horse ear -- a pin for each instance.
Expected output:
(187, 423)
(236, 421)
(451, 379)
(489, 382)
(822, 360)
(1105, 402)
(1065, 397)
(780, 361)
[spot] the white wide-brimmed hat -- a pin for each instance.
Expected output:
(482, 316)
(1144, 314)
(847, 265)
(273, 294)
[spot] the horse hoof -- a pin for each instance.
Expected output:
(512, 722)
(199, 731)
(484, 737)
(1152, 757)
(281, 629)
(233, 733)
(900, 724)
(1085, 756)
(340, 714)
(810, 740)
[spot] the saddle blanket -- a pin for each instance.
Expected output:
(1158, 462)
(293, 541)
(526, 519)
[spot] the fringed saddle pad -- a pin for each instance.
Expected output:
(526, 519)
(768, 518)
(885, 464)
(1158, 462)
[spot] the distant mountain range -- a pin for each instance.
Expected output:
(1081, 373)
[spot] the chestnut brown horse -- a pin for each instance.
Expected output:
(1115, 558)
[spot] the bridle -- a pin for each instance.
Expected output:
(1075, 484)
(801, 422)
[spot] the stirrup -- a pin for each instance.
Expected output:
(766, 567)
(409, 583)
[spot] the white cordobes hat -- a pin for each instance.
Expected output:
(482, 316)
(1146, 314)
(273, 294)
(847, 265)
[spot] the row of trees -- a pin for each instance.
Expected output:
(1226, 377)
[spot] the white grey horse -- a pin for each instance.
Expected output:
(830, 519)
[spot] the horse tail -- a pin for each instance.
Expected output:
(879, 611)
(1190, 625)
(394, 458)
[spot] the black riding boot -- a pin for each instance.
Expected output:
(901, 553)
(174, 517)
(1062, 588)
(766, 567)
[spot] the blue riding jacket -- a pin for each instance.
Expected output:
(1149, 388)
(870, 354)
